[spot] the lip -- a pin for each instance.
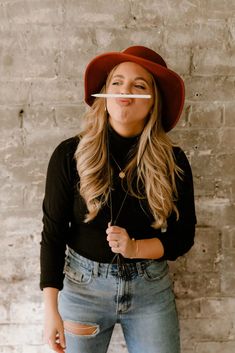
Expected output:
(123, 101)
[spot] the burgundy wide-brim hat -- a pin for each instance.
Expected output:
(169, 82)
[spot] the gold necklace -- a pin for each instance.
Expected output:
(118, 257)
(121, 173)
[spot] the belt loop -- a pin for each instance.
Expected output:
(139, 268)
(95, 269)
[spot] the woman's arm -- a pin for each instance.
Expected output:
(57, 213)
(121, 243)
(53, 324)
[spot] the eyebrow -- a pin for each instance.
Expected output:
(136, 78)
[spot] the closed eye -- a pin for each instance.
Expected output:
(116, 83)
(140, 86)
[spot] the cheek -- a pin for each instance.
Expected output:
(110, 106)
(144, 109)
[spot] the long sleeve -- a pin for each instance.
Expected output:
(179, 236)
(57, 214)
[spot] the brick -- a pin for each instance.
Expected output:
(205, 252)
(228, 238)
(210, 61)
(225, 189)
(214, 213)
(226, 162)
(198, 141)
(205, 165)
(156, 12)
(204, 186)
(70, 117)
(203, 34)
(10, 349)
(16, 334)
(215, 347)
(228, 284)
(205, 115)
(228, 262)
(177, 11)
(3, 313)
(206, 329)
(18, 268)
(84, 13)
(226, 135)
(188, 308)
(209, 164)
(188, 285)
(25, 313)
(217, 307)
(36, 349)
(79, 49)
(120, 38)
(10, 119)
(30, 51)
(25, 187)
(15, 239)
(177, 266)
(231, 25)
(177, 60)
(14, 92)
(219, 89)
(12, 145)
(28, 11)
(229, 113)
(217, 6)
(29, 290)
(57, 91)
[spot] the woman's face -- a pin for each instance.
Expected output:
(128, 115)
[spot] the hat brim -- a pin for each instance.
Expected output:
(169, 83)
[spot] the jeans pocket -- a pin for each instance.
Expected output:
(78, 274)
(156, 271)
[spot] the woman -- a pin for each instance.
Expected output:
(119, 197)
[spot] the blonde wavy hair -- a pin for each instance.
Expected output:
(154, 157)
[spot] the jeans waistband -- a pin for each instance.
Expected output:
(122, 269)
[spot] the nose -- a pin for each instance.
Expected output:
(125, 88)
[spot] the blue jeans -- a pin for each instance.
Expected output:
(96, 296)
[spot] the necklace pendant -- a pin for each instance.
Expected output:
(122, 174)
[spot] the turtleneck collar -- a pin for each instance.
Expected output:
(120, 145)
(126, 140)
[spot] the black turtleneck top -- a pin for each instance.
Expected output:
(64, 211)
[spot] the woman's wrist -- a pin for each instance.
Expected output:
(147, 249)
(50, 296)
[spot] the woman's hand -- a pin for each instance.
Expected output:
(120, 242)
(54, 331)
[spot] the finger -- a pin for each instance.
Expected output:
(114, 229)
(55, 346)
(113, 237)
(62, 339)
(116, 250)
(114, 244)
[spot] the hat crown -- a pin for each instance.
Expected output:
(146, 54)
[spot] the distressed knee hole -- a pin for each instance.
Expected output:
(79, 329)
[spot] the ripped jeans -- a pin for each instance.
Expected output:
(95, 297)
